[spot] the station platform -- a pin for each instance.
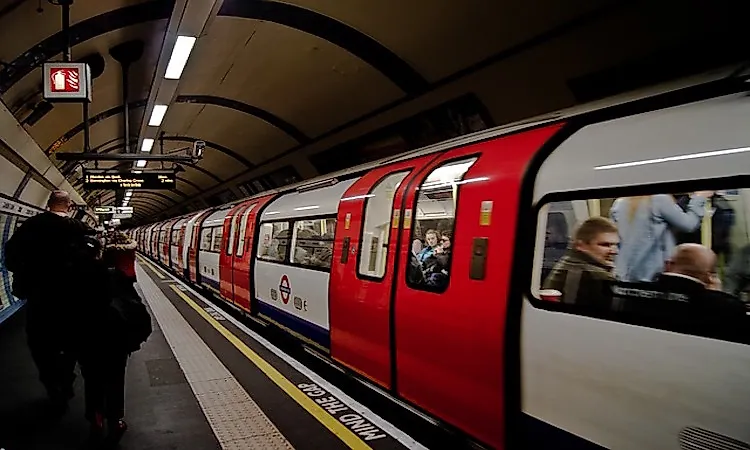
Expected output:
(203, 380)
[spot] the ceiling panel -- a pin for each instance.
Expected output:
(303, 79)
(251, 137)
(27, 27)
(440, 37)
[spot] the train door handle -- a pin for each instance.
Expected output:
(345, 250)
(478, 262)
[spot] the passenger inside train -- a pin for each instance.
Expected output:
(680, 284)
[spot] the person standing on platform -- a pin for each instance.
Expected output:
(44, 255)
(118, 327)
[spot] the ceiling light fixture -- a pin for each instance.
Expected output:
(138, 171)
(180, 54)
(147, 145)
(141, 163)
(157, 115)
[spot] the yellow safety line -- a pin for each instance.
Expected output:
(281, 381)
(153, 269)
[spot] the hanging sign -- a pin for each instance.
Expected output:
(67, 82)
(104, 209)
(122, 216)
(128, 180)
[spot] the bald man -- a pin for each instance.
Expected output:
(710, 312)
(44, 255)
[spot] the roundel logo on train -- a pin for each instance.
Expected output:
(285, 288)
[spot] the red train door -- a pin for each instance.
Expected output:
(243, 255)
(362, 269)
(226, 256)
(451, 295)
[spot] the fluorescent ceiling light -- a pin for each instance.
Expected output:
(180, 54)
(148, 144)
(729, 151)
(305, 208)
(141, 163)
(137, 171)
(157, 115)
(270, 213)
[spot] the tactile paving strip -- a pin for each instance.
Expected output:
(237, 421)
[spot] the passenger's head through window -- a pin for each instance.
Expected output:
(445, 241)
(695, 261)
(597, 237)
(432, 238)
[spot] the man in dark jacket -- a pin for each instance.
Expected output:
(584, 273)
(45, 256)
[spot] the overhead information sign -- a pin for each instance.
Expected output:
(67, 82)
(113, 209)
(113, 180)
(122, 216)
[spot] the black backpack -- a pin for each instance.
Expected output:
(131, 321)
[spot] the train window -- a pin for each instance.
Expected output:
(205, 244)
(175, 237)
(373, 248)
(622, 259)
(273, 241)
(312, 242)
(218, 234)
(232, 231)
(243, 227)
(434, 222)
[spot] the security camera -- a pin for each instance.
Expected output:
(198, 147)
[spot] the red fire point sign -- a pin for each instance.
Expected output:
(285, 289)
(65, 79)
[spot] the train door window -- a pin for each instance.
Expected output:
(232, 231)
(621, 259)
(205, 244)
(434, 222)
(243, 226)
(312, 242)
(218, 234)
(373, 248)
(175, 237)
(273, 242)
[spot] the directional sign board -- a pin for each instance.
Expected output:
(122, 216)
(104, 209)
(113, 209)
(127, 180)
(67, 82)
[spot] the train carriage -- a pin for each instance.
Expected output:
(338, 262)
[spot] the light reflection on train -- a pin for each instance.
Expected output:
(413, 273)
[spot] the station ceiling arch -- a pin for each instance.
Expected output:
(272, 84)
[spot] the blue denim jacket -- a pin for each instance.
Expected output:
(647, 241)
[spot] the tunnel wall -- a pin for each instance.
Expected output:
(13, 212)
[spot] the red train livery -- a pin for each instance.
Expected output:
(341, 263)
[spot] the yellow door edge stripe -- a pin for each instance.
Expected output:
(317, 411)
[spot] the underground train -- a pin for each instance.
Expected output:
(337, 262)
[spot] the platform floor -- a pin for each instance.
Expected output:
(203, 380)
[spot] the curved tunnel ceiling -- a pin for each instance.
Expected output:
(235, 105)
(278, 119)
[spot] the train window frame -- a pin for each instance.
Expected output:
(203, 239)
(474, 157)
(293, 242)
(217, 240)
(259, 257)
(243, 230)
(389, 225)
(532, 263)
